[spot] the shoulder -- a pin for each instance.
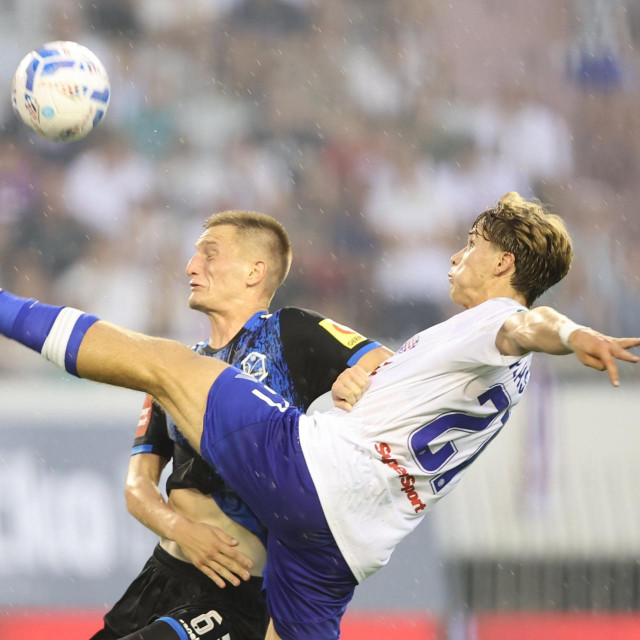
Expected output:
(297, 318)
(490, 311)
(497, 305)
(484, 331)
(299, 313)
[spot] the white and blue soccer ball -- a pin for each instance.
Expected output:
(61, 91)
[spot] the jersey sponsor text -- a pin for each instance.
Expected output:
(406, 480)
(348, 337)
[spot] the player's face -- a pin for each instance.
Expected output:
(472, 271)
(217, 270)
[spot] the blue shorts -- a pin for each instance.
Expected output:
(250, 435)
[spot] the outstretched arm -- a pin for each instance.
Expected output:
(544, 329)
(352, 382)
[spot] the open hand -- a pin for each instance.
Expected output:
(212, 551)
(596, 350)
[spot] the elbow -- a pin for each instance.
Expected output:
(532, 334)
(130, 496)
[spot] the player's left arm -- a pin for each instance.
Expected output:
(544, 329)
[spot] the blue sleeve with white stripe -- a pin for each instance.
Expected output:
(55, 332)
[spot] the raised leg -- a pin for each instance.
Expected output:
(86, 347)
(173, 374)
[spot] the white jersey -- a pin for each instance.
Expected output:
(429, 411)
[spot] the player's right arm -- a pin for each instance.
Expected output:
(207, 547)
(544, 329)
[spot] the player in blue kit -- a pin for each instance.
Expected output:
(339, 490)
(240, 260)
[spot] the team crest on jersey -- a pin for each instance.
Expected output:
(410, 343)
(255, 364)
(348, 337)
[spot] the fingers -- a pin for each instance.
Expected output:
(359, 371)
(618, 351)
(222, 567)
(212, 552)
(590, 361)
(342, 404)
(233, 561)
(218, 574)
(221, 550)
(225, 537)
(349, 386)
(349, 395)
(603, 352)
(627, 343)
(611, 367)
(352, 387)
(212, 575)
(622, 345)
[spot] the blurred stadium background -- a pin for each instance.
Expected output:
(375, 131)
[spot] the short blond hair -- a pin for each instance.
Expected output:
(263, 230)
(538, 240)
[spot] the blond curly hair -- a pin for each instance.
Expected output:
(538, 240)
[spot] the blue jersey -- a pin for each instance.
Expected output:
(296, 352)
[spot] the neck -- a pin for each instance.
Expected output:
(225, 325)
(511, 293)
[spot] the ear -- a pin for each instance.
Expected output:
(257, 272)
(506, 261)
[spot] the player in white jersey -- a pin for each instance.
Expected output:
(338, 491)
(408, 439)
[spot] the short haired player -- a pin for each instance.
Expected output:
(339, 490)
(240, 260)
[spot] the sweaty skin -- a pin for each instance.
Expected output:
(196, 506)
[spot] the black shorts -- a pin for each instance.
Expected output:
(167, 585)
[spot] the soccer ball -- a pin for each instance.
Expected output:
(61, 91)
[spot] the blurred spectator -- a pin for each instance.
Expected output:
(17, 181)
(415, 229)
(112, 284)
(532, 138)
(47, 231)
(103, 184)
(277, 17)
(629, 318)
(116, 17)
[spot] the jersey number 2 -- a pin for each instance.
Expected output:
(432, 461)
